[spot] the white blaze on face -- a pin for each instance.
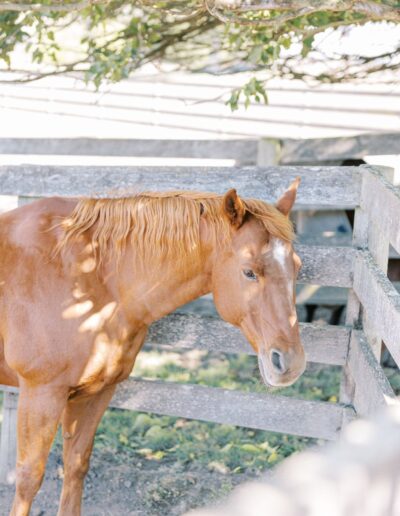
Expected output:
(280, 254)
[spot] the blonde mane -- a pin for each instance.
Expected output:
(160, 224)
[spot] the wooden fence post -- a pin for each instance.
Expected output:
(378, 246)
(268, 152)
(360, 241)
(8, 442)
(366, 235)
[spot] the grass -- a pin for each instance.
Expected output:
(222, 448)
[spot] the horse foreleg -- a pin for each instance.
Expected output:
(39, 412)
(79, 423)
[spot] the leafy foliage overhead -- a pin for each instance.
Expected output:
(107, 40)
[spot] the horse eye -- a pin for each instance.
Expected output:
(250, 274)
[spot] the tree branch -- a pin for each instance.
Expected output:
(374, 10)
(221, 8)
(50, 8)
(274, 22)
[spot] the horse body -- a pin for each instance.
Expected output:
(88, 324)
(42, 333)
(78, 291)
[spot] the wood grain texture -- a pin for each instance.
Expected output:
(332, 149)
(243, 151)
(380, 300)
(325, 345)
(381, 200)
(372, 388)
(378, 246)
(328, 266)
(8, 440)
(252, 410)
(321, 186)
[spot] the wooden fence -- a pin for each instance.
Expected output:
(361, 268)
(264, 151)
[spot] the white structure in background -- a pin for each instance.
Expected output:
(182, 106)
(192, 106)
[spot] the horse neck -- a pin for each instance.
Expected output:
(151, 292)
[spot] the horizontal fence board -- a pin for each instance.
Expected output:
(243, 151)
(8, 388)
(254, 410)
(322, 187)
(260, 411)
(326, 296)
(381, 200)
(372, 388)
(380, 300)
(323, 344)
(328, 266)
(328, 149)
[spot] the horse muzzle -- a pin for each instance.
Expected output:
(281, 368)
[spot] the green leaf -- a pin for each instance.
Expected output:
(252, 448)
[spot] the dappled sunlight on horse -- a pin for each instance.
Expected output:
(81, 281)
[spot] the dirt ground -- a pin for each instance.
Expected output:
(143, 488)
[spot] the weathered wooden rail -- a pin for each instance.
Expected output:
(361, 268)
(263, 151)
(335, 150)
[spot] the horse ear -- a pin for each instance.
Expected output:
(286, 201)
(234, 208)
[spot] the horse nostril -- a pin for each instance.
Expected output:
(277, 361)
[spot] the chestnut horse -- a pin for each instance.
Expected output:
(81, 281)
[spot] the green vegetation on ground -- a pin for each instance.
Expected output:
(221, 447)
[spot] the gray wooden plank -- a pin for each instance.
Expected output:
(381, 200)
(8, 441)
(243, 151)
(380, 300)
(8, 388)
(378, 246)
(336, 240)
(353, 308)
(316, 295)
(348, 147)
(372, 390)
(261, 411)
(321, 186)
(253, 410)
(328, 266)
(323, 344)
